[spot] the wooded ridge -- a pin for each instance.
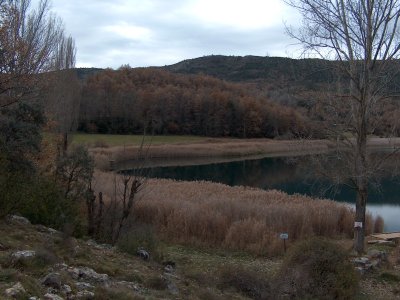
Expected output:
(216, 95)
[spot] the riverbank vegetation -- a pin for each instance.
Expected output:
(113, 140)
(236, 218)
(123, 149)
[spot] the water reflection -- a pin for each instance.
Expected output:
(390, 213)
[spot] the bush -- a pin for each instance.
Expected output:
(317, 269)
(45, 204)
(156, 283)
(140, 236)
(248, 282)
(103, 293)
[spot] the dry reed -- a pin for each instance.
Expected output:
(224, 147)
(209, 148)
(238, 218)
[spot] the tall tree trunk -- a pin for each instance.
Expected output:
(362, 178)
(359, 225)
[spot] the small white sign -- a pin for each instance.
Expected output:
(284, 236)
(358, 224)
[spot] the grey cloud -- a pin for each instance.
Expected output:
(174, 35)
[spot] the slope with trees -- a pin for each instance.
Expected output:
(129, 100)
(33, 42)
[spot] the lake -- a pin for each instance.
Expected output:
(291, 175)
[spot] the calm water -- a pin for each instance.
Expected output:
(292, 176)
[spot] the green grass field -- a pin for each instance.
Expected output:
(94, 140)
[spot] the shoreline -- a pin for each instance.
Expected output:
(215, 151)
(205, 160)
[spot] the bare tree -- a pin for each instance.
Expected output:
(31, 42)
(107, 220)
(66, 54)
(363, 37)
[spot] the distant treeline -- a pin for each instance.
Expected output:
(273, 97)
(132, 100)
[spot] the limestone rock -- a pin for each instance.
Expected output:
(373, 260)
(85, 295)
(23, 254)
(95, 245)
(15, 290)
(169, 269)
(361, 260)
(143, 254)
(86, 273)
(19, 220)
(172, 288)
(376, 254)
(83, 286)
(44, 229)
(66, 289)
(125, 284)
(50, 296)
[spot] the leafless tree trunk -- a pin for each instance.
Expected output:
(363, 37)
(112, 218)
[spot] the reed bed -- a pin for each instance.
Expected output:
(237, 218)
(208, 148)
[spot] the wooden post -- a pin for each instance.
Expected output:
(284, 237)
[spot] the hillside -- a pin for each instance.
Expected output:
(127, 100)
(245, 69)
(84, 73)
(37, 262)
(215, 96)
(257, 68)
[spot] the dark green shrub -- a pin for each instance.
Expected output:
(389, 277)
(44, 204)
(156, 283)
(102, 293)
(8, 275)
(141, 236)
(248, 282)
(317, 269)
(45, 257)
(20, 139)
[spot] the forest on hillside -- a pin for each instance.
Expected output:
(130, 100)
(286, 99)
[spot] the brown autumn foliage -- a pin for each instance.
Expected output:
(129, 100)
(237, 218)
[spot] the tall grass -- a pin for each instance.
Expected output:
(237, 218)
(208, 148)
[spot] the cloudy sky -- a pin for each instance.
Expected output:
(109, 33)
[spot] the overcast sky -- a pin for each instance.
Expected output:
(109, 33)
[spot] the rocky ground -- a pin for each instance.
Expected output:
(37, 262)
